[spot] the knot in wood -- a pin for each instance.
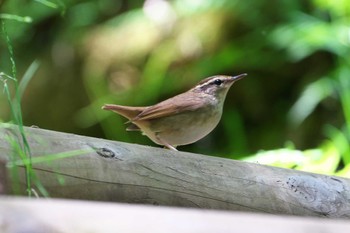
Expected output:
(104, 152)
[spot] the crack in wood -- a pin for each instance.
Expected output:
(154, 188)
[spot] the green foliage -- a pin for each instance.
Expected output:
(301, 38)
(324, 160)
(25, 19)
(21, 155)
(141, 52)
(15, 106)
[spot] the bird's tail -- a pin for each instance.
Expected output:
(125, 111)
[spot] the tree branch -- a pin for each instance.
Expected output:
(97, 169)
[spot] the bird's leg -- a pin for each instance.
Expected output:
(170, 147)
(166, 145)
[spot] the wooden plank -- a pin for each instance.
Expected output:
(49, 215)
(121, 172)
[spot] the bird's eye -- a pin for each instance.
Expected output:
(217, 82)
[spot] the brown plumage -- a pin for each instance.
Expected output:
(184, 118)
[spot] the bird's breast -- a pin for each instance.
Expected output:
(187, 127)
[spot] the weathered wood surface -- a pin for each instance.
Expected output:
(121, 172)
(62, 216)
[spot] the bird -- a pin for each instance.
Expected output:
(184, 118)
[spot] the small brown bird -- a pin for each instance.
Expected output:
(182, 119)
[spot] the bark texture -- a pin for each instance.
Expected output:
(120, 172)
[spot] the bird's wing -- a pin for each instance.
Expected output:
(174, 105)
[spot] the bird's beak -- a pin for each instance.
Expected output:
(238, 77)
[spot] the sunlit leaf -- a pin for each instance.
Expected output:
(313, 94)
(281, 158)
(23, 19)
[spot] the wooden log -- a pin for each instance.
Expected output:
(122, 172)
(44, 216)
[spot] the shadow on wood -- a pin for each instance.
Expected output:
(121, 172)
(3, 178)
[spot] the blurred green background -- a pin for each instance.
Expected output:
(293, 109)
